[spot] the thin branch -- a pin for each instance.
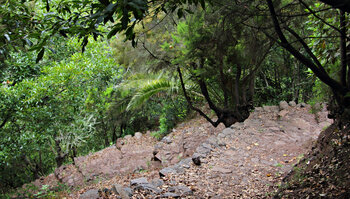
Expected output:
(189, 101)
(322, 20)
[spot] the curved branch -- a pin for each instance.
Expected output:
(324, 77)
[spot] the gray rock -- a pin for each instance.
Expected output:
(302, 105)
(170, 195)
(203, 150)
(292, 104)
(138, 135)
(138, 181)
(271, 109)
(129, 191)
(207, 146)
(221, 170)
(166, 171)
(237, 126)
(119, 190)
(157, 182)
(221, 135)
(148, 187)
(127, 137)
(167, 140)
(213, 141)
(178, 168)
(222, 143)
(91, 194)
(185, 163)
(283, 105)
(228, 132)
(182, 190)
(283, 113)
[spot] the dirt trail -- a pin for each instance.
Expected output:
(257, 154)
(247, 160)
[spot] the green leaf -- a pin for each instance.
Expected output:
(117, 28)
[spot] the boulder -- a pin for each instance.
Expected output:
(283, 105)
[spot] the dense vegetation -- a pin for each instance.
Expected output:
(76, 75)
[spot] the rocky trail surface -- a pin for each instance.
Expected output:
(247, 160)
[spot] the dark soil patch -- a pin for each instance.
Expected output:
(325, 171)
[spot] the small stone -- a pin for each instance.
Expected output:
(283, 113)
(275, 129)
(138, 135)
(228, 132)
(138, 181)
(283, 105)
(186, 163)
(167, 140)
(182, 190)
(157, 182)
(128, 190)
(127, 137)
(148, 187)
(207, 146)
(196, 158)
(203, 150)
(302, 105)
(271, 109)
(221, 170)
(118, 189)
(213, 141)
(166, 171)
(292, 104)
(90, 194)
(170, 195)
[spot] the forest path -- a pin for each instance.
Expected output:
(247, 160)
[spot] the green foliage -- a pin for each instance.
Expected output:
(172, 112)
(53, 106)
